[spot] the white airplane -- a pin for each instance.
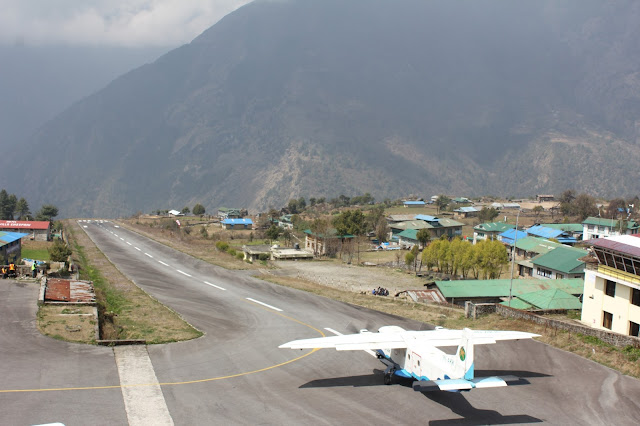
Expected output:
(415, 354)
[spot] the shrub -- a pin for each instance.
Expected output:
(231, 251)
(263, 257)
(222, 245)
(240, 255)
(186, 230)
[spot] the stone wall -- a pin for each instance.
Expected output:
(473, 310)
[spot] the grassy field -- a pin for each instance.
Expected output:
(73, 324)
(36, 250)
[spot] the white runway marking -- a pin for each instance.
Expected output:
(183, 273)
(115, 234)
(145, 405)
(149, 255)
(129, 243)
(213, 285)
(264, 304)
(122, 238)
(137, 248)
(165, 264)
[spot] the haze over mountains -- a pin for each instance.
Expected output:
(282, 99)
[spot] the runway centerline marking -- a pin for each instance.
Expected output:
(129, 243)
(137, 248)
(264, 304)
(122, 238)
(331, 330)
(183, 273)
(149, 255)
(213, 285)
(165, 264)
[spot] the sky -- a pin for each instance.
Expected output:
(124, 23)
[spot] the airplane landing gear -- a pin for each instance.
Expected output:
(388, 375)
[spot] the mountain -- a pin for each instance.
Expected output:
(37, 83)
(282, 99)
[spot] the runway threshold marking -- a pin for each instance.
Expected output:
(264, 304)
(213, 285)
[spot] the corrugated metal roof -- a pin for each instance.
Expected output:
(19, 224)
(426, 217)
(494, 227)
(411, 234)
(500, 288)
(536, 245)
(9, 237)
(244, 221)
(509, 236)
(551, 299)
(544, 232)
(612, 223)
(414, 203)
(411, 224)
(568, 227)
(562, 259)
(468, 209)
(516, 303)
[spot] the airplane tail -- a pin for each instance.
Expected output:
(463, 360)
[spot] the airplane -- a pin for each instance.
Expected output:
(415, 354)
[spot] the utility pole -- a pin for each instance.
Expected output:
(513, 258)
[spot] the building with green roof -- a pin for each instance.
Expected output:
(490, 230)
(494, 291)
(530, 247)
(545, 300)
(561, 262)
(597, 227)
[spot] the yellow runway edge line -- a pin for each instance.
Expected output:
(185, 382)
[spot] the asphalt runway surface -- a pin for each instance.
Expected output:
(235, 373)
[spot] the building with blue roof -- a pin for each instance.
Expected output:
(244, 223)
(509, 236)
(464, 212)
(11, 246)
(549, 233)
(414, 204)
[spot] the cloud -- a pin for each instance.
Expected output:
(109, 22)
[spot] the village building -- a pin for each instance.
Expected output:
(571, 229)
(465, 212)
(495, 291)
(11, 247)
(552, 299)
(541, 198)
(230, 213)
(437, 227)
(558, 263)
(413, 204)
(490, 230)
(37, 230)
(329, 243)
(548, 233)
(597, 227)
(612, 286)
(233, 224)
(175, 213)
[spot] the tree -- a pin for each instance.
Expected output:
(487, 214)
(198, 209)
(22, 209)
(584, 206)
(4, 204)
(442, 202)
(11, 206)
(59, 251)
(352, 222)
(185, 210)
(614, 206)
(537, 210)
(286, 235)
(273, 232)
(423, 236)
(47, 212)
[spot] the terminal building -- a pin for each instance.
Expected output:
(37, 230)
(612, 286)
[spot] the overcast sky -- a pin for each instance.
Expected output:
(109, 22)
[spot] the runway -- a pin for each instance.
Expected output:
(236, 374)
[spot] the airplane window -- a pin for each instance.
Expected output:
(409, 356)
(418, 363)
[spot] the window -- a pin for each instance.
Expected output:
(635, 296)
(634, 329)
(607, 320)
(559, 276)
(544, 272)
(610, 288)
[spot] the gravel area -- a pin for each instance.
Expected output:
(349, 277)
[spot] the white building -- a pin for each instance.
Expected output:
(597, 227)
(612, 290)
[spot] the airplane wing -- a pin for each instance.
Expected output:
(400, 339)
(462, 384)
